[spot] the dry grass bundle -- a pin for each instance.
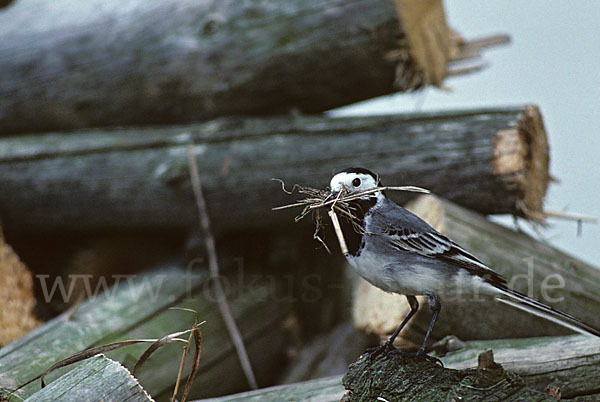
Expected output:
(339, 203)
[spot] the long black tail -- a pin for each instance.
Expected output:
(522, 302)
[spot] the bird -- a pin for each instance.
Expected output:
(398, 252)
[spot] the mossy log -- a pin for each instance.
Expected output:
(530, 266)
(174, 61)
(492, 161)
(98, 379)
(138, 308)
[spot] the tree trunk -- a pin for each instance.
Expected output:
(493, 161)
(99, 379)
(99, 63)
(137, 308)
(530, 266)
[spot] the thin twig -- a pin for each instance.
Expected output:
(213, 264)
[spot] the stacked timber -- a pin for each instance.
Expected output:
(116, 119)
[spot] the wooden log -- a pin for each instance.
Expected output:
(95, 380)
(569, 363)
(530, 266)
(493, 161)
(137, 308)
(393, 377)
(174, 61)
(327, 389)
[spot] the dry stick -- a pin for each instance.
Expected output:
(213, 265)
(338, 232)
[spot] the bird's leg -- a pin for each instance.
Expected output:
(389, 344)
(435, 305)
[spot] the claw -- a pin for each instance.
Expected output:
(386, 348)
(389, 348)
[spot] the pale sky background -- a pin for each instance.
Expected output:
(553, 61)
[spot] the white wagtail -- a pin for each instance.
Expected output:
(398, 252)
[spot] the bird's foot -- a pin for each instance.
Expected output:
(384, 349)
(420, 354)
(389, 348)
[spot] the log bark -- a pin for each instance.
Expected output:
(493, 161)
(137, 308)
(97, 379)
(569, 363)
(397, 378)
(175, 61)
(531, 266)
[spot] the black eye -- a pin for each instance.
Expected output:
(356, 182)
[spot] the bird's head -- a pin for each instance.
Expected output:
(355, 179)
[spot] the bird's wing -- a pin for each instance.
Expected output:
(432, 244)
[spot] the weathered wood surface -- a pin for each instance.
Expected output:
(174, 61)
(98, 379)
(397, 378)
(570, 363)
(138, 309)
(530, 266)
(328, 389)
(493, 161)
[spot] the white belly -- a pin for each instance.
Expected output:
(418, 279)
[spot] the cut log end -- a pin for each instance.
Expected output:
(430, 50)
(521, 161)
(16, 291)
(424, 26)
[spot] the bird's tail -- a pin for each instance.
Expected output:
(522, 302)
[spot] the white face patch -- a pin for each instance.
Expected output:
(352, 182)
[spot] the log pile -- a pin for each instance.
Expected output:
(106, 108)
